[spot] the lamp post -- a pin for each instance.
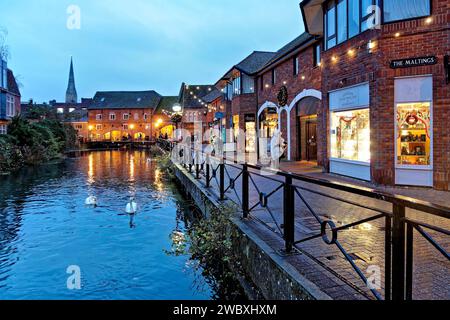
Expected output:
(177, 108)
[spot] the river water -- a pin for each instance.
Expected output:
(50, 242)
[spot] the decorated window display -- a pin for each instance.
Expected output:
(350, 135)
(413, 134)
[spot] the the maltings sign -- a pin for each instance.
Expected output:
(414, 62)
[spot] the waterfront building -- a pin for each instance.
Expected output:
(385, 89)
(9, 96)
(123, 116)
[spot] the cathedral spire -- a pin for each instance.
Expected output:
(71, 93)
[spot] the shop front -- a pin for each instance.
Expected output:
(414, 131)
(268, 121)
(350, 131)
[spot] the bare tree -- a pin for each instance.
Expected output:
(4, 49)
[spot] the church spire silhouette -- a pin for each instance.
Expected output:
(71, 93)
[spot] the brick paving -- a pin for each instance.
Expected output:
(324, 264)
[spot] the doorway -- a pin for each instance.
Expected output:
(311, 140)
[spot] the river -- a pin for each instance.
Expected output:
(52, 246)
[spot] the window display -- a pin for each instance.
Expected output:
(413, 134)
(350, 135)
(250, 137)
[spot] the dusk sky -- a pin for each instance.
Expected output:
(139, 44)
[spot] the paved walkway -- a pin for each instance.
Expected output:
(426, 194)
(324, 264)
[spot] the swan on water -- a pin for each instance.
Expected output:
(132, 207)
(91, 201)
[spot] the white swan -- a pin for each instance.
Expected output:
(91, 201)
(131, 207)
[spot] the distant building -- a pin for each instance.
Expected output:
(164, 126)
(9, 97)
(123, 115)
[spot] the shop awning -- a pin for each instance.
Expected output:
(313, 16)
(308, 106)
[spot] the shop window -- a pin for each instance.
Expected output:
(350, 135)
(236, 127)
(414, 134)
(396, 10)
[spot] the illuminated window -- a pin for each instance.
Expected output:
(414, 134)
(61, 111)
(350, 135)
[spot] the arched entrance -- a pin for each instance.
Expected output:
(267, 122)
(306, 117)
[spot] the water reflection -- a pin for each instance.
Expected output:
(45, 227)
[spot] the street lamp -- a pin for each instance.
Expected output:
(177, 108)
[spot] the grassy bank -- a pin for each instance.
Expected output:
(30, 143)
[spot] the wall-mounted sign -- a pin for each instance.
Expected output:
(249, 118)
(447, 68)
(414, 62)
(350, 98)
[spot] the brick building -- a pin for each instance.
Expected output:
(294, 70)
(195, 107)
(240, 90)
(385, 89)
(120, 115)
(9, 96)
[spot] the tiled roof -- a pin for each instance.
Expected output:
(166, 104)
(12, 84)
(291, 46)
(125, 99)
(254, 62)
(192, 96)
(213, 95)
(250, 65)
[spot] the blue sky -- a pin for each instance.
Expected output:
(139, 44)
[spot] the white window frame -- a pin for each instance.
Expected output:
(99, 117)
(10, 109)
(112, 116)
(3, 129)
(126, 116)
(98, 127)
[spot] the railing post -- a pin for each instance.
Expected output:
(208, 172)
(245, 191)
(409, 261)
(197, 166)
(222, 180)
(289, 214)
(398, 253)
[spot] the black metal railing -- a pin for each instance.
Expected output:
(225, 174)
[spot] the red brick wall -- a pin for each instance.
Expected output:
(242, 105)
(417, 38)
(116, 125)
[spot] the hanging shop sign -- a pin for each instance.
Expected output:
(219, 115)
(447, 68)
(282, 96)
(414, 62)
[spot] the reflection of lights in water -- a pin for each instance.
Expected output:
(158, 181)
(91, 178)
(132, 168)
